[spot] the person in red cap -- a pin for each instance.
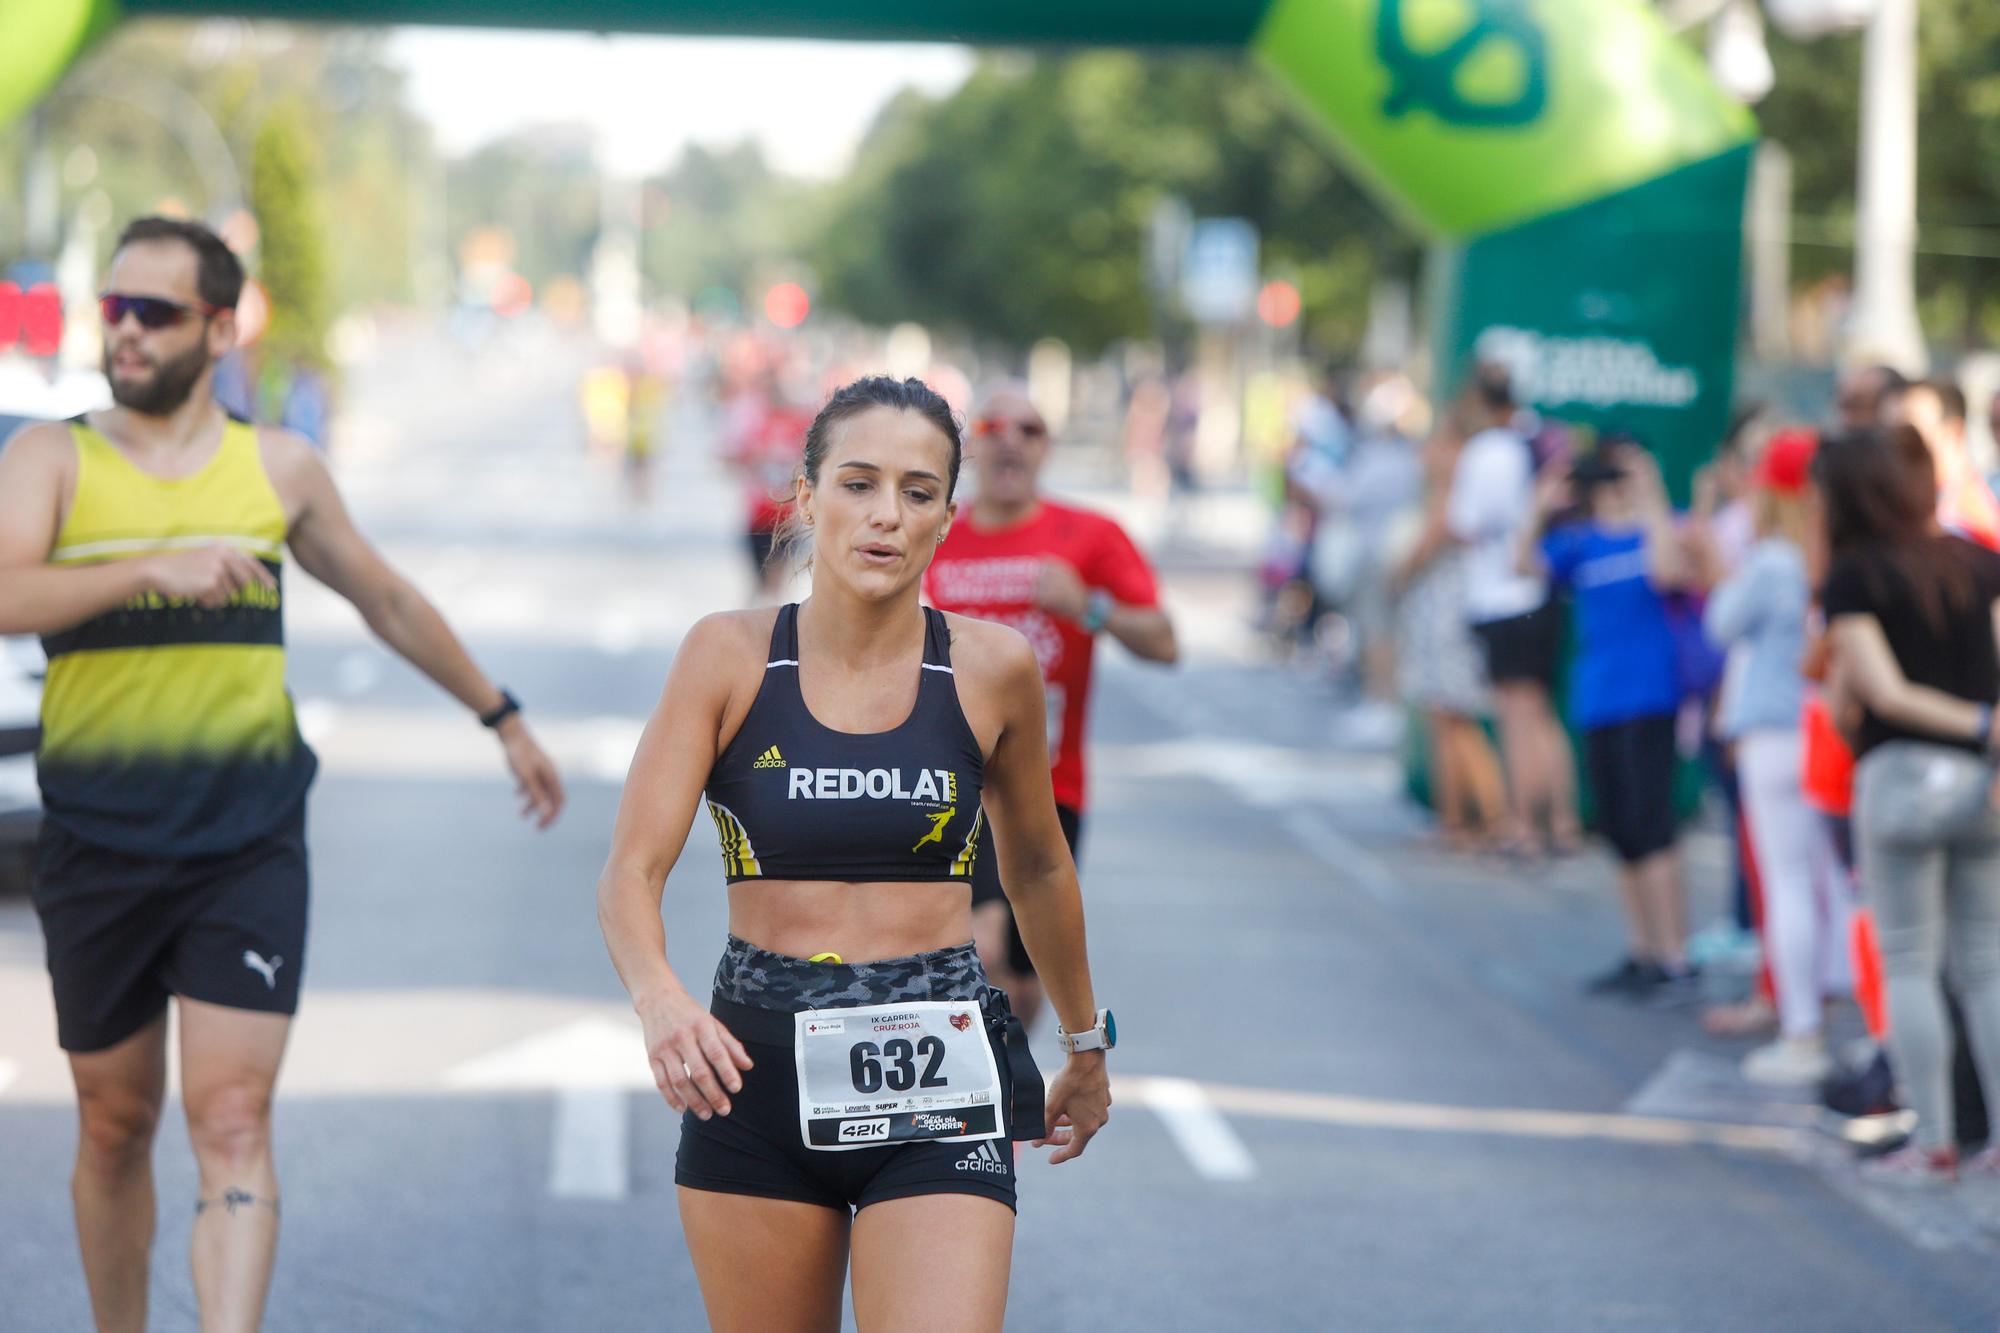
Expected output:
(1759, 615)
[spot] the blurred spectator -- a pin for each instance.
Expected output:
(1911, 616)
(1491, 503)
(1179, 434)
(1146, 413)
(1965, 504)
(763, 440)
(1719, 532)
(1865, 393)
(1385, 479)
(1621, 559)
(1320, 421)
(308, 405)
(1440, 669)
(1759, 614)
(645, 399)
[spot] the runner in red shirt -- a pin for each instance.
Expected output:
(762, 436)
(1060, 576)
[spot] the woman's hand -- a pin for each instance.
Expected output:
(1079, 1104)
(694, 1058)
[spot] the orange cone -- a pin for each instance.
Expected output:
(1868, 990)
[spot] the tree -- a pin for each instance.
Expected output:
(121, 116)
(1814, 111)
(1017, 207)
(721, 218)
(291, 260)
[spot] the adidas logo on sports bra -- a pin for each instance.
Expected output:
(853, 784)
(770, 759)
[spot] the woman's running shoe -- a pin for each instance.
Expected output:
(1912, 1167)
(1789, 1062)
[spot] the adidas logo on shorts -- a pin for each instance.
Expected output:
(770, 759)
(986, 1157)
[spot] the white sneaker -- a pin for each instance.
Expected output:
(1789, 1062)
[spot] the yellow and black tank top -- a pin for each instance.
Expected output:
(166, 727)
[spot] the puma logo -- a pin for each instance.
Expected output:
(269, 971)
(938, 821)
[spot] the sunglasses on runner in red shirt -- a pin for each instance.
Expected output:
(152, 312)
(984, 426)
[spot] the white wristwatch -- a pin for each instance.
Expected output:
(1100, 1038)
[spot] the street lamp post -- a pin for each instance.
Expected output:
(1884, 325)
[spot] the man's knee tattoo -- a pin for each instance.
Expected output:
(233, 1199)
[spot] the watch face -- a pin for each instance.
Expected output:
(1110, 1030)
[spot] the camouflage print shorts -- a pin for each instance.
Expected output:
(761, 979)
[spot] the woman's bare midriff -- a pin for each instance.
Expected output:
(861, 922)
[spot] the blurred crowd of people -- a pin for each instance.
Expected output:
(1811, 637)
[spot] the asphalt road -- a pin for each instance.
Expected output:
(1359, 1089)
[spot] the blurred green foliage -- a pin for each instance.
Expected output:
(1018, 206)
(1013, 208)
(128, 113)
(1814, 111)
(291, 251)
(542, 186)
(722, 218)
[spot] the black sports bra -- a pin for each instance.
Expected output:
(793, 799)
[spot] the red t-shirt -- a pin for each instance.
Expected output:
(991, 574)
(765, 442)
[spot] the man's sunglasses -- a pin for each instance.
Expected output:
(984, 426)
(152, 312)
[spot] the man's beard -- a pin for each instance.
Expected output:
(172, 382)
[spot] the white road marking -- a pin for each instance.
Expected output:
(589, 1053)
(617, 634)
(438, 743)
(318, 720)
(358, 672)
(590, 1065)
(1269, 777)
(590, 1155)
(1378, 1113)
(1343, 855)
(1210, 1144)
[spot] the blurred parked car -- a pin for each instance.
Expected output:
(28, 395)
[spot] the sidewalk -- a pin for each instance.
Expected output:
(1526, 934)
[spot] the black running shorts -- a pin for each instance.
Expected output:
(125, 932)
(758, 1149)
(1523, 648)
(1631, 770)
(986, 887)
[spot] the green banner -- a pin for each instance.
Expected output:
(1618, 314)
(38, 40)
(1473, 115)
(1227, 23)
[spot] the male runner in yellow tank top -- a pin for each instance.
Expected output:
(145, 543)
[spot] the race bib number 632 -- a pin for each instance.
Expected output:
(896, 1073)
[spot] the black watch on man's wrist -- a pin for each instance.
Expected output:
(509, 706)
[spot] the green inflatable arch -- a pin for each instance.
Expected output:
(1581, 171)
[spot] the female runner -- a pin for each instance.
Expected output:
(853, 1083)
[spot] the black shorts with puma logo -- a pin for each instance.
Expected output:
(124, 932)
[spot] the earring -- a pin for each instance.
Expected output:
(941, 537)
